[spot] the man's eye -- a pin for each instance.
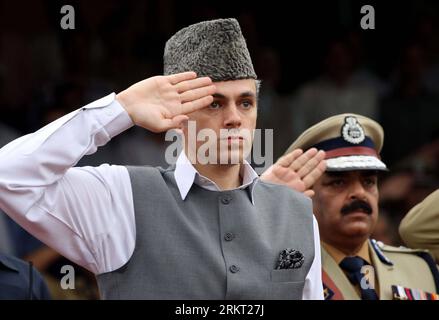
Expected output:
(247, 104)
(369, 182)
(336, 183)
(214, 105)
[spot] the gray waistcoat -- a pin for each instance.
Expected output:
(213, 245)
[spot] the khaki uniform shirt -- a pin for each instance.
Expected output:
(392, 267)
(420, 227)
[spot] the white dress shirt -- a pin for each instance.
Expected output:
(87, 213)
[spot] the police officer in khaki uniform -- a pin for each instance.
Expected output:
(346, 207)
(420, 227)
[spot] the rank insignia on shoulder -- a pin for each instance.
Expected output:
(380, 253)
(401, 293)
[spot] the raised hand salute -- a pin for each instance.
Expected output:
(297, 170)
(161, 103)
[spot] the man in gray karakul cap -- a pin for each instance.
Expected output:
(206, 227)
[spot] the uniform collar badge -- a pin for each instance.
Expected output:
(327, 292)
(379, 252)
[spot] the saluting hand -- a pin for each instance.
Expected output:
(161, 103)
(297, 170)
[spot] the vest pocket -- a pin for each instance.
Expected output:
(288, 275)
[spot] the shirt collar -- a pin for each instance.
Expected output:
(338, 256)
(186, 175)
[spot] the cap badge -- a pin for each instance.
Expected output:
(352, 131)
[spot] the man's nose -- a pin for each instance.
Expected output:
(357, 191)
(232, 117)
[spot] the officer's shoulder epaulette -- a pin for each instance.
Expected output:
(382, 250)
(385, 253)
(400, 249)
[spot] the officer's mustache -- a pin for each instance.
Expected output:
(355, 206)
